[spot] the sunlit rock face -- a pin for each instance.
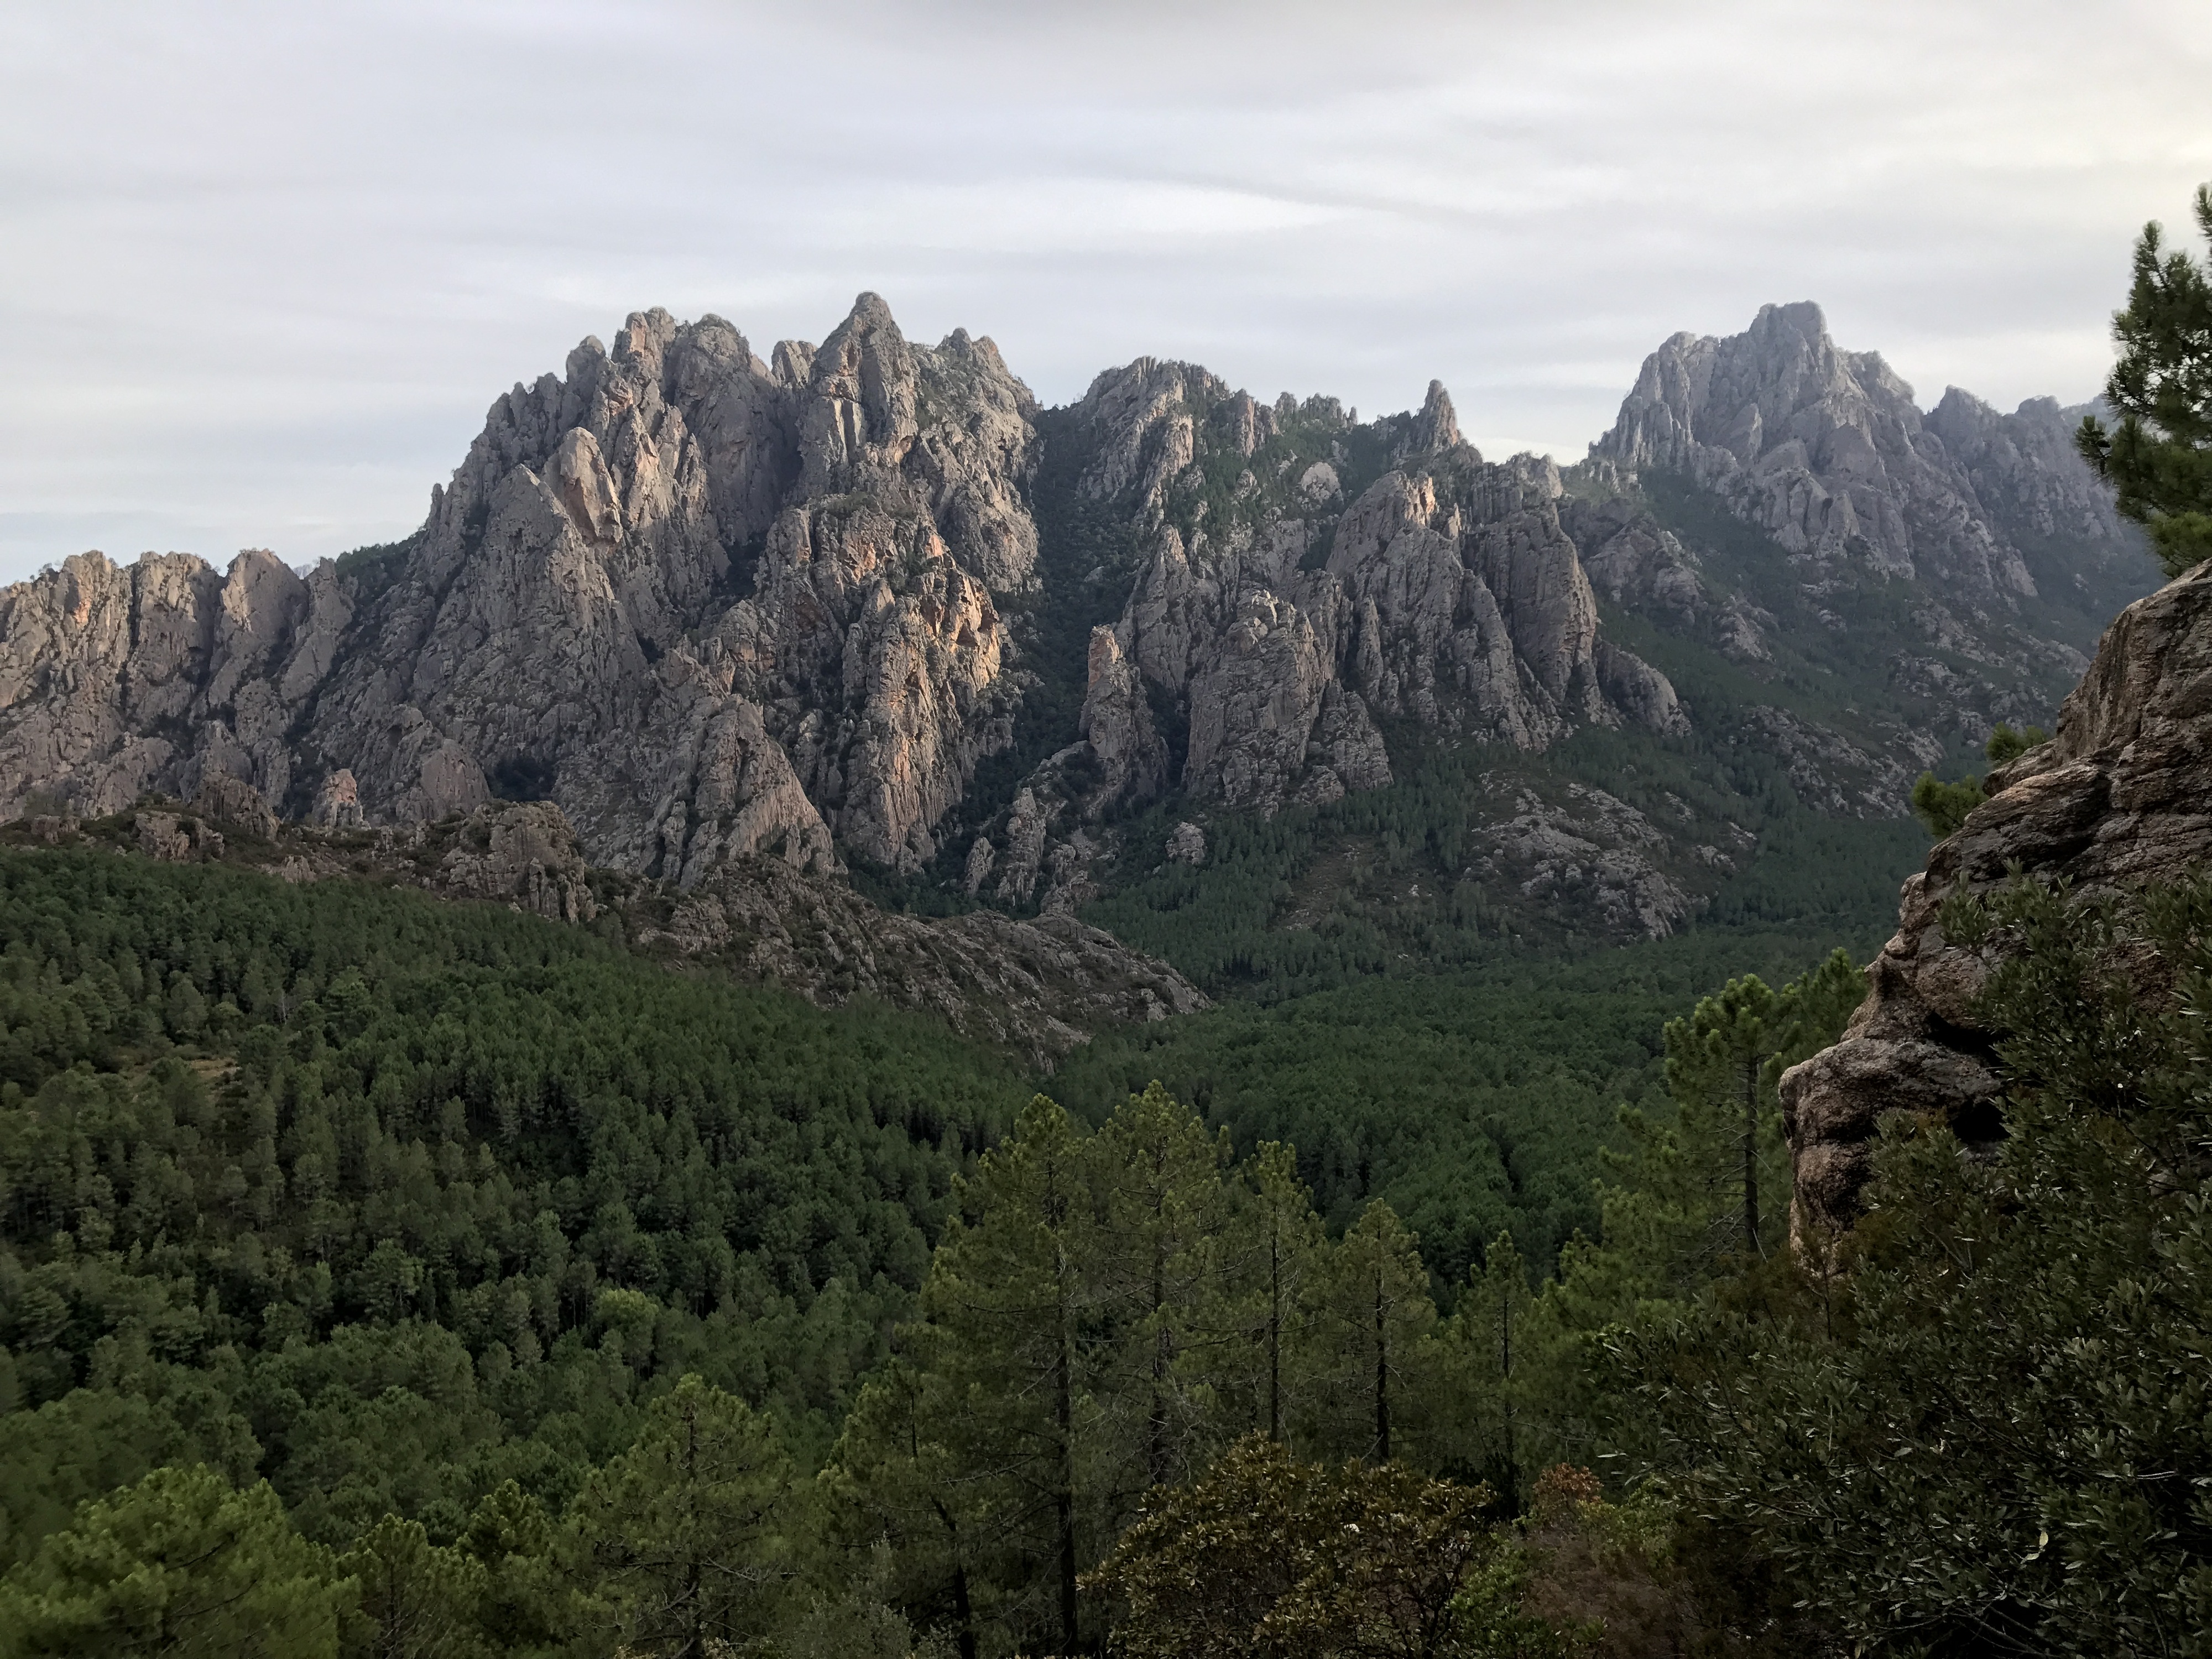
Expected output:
(716, 605)
(712, 606)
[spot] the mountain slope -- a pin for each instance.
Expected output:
(867, 606)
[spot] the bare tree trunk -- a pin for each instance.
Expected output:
(1505, 1388)
(1156, 1428)
(1274, 1337)
(1382, 1378)
(695, 1641)
(1064, 1500)
(964, 1611)
(964, 1608)
(1751, 1159)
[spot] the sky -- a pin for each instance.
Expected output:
(263, 268)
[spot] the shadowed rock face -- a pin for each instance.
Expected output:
(1447, 593)
(2121, 794)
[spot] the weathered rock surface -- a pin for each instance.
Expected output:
(720, 608)
(524, 855)
(566, 623)
(1639, 566)
(1281, 626)
(1041, 987)
(2027, 477)
(1593, 853)
(2123, 793)
(1822, 449)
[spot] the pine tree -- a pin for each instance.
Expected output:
(1164, 1211)
(1488, 1332)
(2159, 455)
(1277, 1241)
(685, 1532)
(1716, 1070)
(178, 1564)
(1371, 1310)
(417, 1600)
(910, 1471)
(1010, 1315)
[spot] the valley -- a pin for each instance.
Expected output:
(835, 985)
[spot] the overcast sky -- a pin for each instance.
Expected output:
(263, 268)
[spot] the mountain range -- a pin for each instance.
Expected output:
(865, 610)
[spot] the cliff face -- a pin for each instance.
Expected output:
(568, 621)
(1822, 449)
(719, 607)
(1294, 579)
(2121, 794)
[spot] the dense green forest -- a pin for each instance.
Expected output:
(389, 1199)
(383, 1276)
(1474, 1101)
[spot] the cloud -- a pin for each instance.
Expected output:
(263, 267)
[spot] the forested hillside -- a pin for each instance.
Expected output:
(563, 1302)
(253, 1130)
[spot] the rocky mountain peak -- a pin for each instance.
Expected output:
(716, 608)
(1432, 428)
(2026, 474)
(860, 407)
(1822, 449)
(568, 623)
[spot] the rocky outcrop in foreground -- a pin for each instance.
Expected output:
(2121, 794)
(1039, 988)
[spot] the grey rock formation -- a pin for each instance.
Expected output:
(1833, 775)
(1026, 827)
(1433, 427)
(337, 803)
(1040, 987)
(2123, 793)
(1636, 564)
(1592, 853)
(236, 805)
(1448, 592)
(524, 855)
(175, 838)
(1117, 723)
(564, 624)
(718, 608)
(2027, 475)
(1822, 449)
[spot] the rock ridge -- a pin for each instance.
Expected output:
(1038, 989)
(1824, 450)
(720, 607)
